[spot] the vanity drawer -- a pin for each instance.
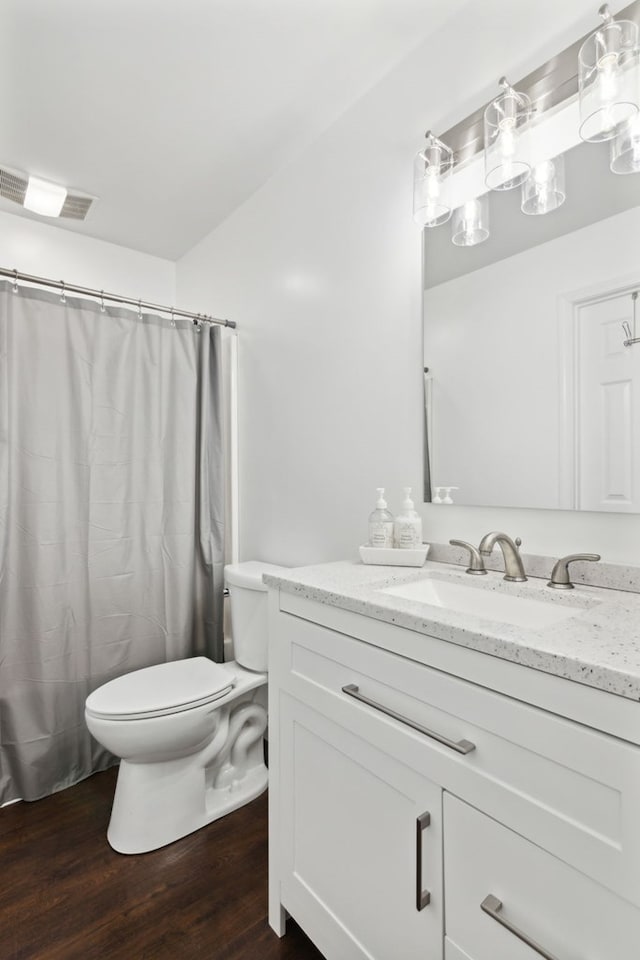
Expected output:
(566, 787)
(569, 916)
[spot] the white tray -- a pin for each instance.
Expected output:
(394, 556)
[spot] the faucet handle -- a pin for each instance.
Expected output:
(476, 563)
(560, 579)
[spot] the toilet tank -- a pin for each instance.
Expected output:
(248, 596)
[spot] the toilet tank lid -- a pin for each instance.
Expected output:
(249, 574)
(163, 688)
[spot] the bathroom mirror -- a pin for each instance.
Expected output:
(531, 398)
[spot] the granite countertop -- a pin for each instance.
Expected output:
(598, 645)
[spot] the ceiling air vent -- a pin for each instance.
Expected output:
(13, 186)
(76, 207)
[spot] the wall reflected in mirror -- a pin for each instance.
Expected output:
(531, 398)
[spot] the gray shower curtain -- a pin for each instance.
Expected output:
(111, 517)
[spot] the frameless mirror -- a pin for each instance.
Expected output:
(531, 397)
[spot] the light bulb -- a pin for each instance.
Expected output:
(607, 86)
(469, 210)
(508, 139)
(544, 172)
(608, 76)
(432, 184)
(470, 224)
(544, 190)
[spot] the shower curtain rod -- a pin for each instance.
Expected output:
(63, 287)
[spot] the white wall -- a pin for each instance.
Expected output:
(322, 271)
(44, 250)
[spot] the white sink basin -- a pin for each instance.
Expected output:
(483, 602)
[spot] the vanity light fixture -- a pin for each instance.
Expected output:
(608, 77)
(625, 147)
(519, 129)
(431, 183)
(44, 197)
(470, 223)
(505, 154)
(544, 191)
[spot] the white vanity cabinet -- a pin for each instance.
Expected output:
(360, 842)
(412, 781)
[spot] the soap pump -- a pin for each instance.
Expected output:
(381, 523)
(407, 528)
(447, 494)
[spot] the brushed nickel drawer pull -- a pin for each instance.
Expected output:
(493, 906)
(460, 746)
(423, 897)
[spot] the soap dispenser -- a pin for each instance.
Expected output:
(407, 528)
(381, 523)
(447, 494)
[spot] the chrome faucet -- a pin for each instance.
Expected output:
(513, 568)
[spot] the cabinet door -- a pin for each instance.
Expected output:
(361, 843)
(509, 900)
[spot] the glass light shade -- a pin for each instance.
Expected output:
(625, 147)
(44, 197)
(506, 163)
(544, 189)
(608, 78)
(431, 183)
(470, 223)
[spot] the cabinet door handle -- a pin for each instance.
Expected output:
(493, 906)
(460, 746)
(423, 897)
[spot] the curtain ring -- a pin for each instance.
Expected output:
(173, 319)
(102, 306)
(63, 299)
(15, 281)
(198, 324)
(140, 309)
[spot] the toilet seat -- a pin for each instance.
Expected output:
(161, 690)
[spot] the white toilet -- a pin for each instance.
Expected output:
(189, 732)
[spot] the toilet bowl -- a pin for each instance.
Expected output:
(189, 732)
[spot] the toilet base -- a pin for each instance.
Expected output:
(158, 803)
(133, 830)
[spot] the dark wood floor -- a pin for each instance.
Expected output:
(66, 895)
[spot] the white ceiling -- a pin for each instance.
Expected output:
(173, 113)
